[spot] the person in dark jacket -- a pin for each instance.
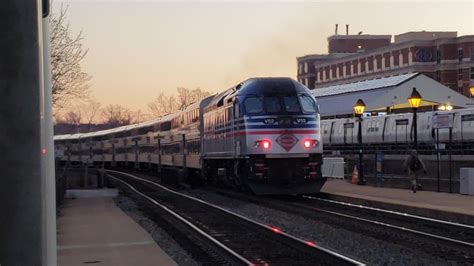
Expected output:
(413, 165)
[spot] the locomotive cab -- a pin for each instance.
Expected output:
(269, 129)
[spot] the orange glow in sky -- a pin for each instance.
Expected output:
(138, 49)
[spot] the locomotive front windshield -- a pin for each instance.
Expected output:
(281, 104)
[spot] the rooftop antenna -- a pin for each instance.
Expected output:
(336, 30)
(347, 29)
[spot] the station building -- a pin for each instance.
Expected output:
(387, 95)
(442, 56)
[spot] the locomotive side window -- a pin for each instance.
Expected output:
(291, 104)
(236, 110)
(253, 105)
(307, 104)
(272, 104)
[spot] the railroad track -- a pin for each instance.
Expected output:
(234, 238)
(443, 239)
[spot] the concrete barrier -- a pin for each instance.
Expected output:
(466, 181)
(333, 167)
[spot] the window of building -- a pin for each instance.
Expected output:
(305, 67)
(460, 54)
(472, 53)
(438, 75)
(300, 68)
(460, 89)
(438, 56)
(472, 73)
(459, 74)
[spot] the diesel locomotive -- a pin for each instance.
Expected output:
(262, 135)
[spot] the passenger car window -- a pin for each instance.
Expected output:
(272, 104)
(307, 104)
(291, 104)
(253, 105)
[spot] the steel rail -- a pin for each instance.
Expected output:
(236, 257)
(308, 244)
(463, 226)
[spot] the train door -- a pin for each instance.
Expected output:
(384, 127)
(185, 150)
(331, 132)
(229, 135)
(467, 131)
(348, 133)
(467, 127)
(113, 153)
(158, 166)
(235, 117)
(137, 152)
(401, 130)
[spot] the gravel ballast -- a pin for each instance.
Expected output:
(165, 241)
(352, 244)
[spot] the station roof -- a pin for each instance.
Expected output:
(378, 94)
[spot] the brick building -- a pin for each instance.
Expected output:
(442, 56)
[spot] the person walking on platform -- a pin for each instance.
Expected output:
(413, 164)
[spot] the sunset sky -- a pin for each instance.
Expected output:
(138, 49)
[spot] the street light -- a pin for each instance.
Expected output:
(471, 90)
(359, 108)
(445, 107)
(414, 100)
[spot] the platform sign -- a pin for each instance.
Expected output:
(443, 121)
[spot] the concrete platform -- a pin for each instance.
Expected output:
(93, 230)
(454, 207)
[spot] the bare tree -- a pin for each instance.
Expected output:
(73, 118)
(67, 53)
(115, 115)
(186, 96)
(89, 112)
(139, 116)
(163, 104)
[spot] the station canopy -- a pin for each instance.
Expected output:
(386, 93)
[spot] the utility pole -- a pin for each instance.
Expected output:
(48, 173)
(22, 185)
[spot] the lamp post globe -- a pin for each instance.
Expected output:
(414, 101)
(359, 108)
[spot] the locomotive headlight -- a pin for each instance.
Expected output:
(264, 144)
(308, 143)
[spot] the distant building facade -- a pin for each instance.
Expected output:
(442, 56)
